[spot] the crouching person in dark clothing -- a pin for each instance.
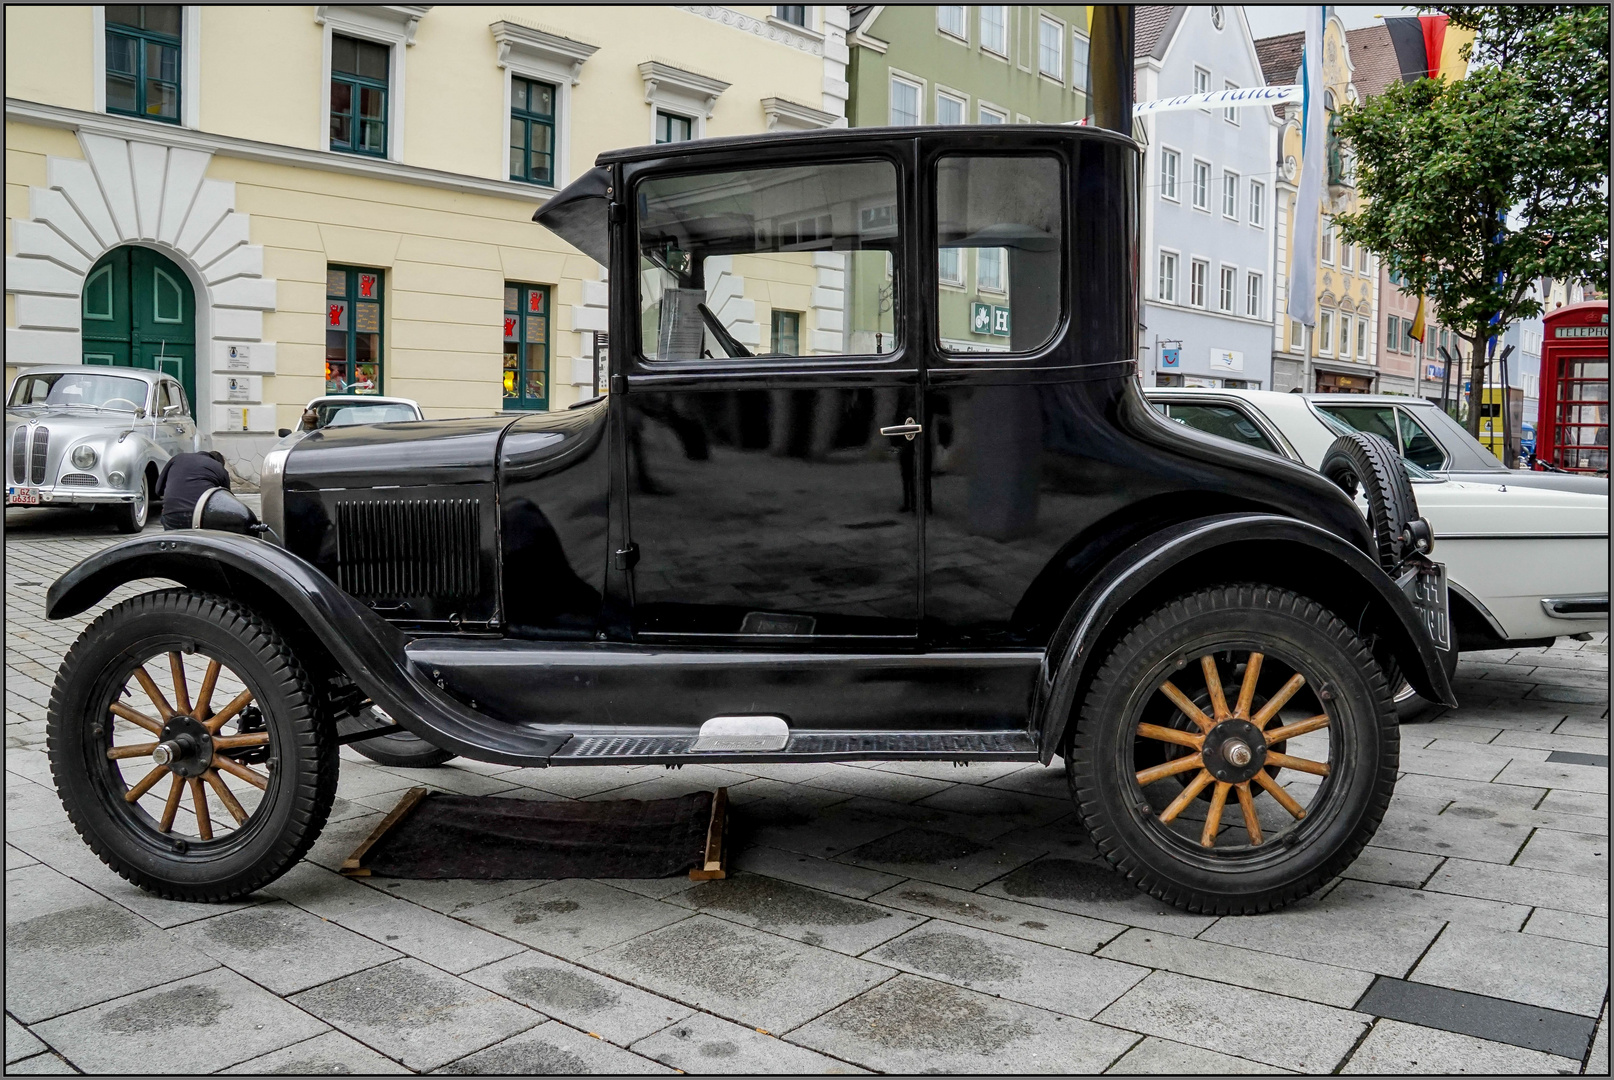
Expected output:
(183, 482)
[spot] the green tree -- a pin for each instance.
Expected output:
(1475, 188)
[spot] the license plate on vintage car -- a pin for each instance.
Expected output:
(1424, 583)
(22, 496)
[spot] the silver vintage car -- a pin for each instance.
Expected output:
(94, 436)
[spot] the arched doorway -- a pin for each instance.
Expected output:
(140, 311)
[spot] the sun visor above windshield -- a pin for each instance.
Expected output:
(579, 214)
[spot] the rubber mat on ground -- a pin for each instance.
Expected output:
(488, 837)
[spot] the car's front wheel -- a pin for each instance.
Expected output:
(130, 517)
(1236, 751)
(186, 746)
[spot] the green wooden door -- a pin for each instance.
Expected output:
(140, 311)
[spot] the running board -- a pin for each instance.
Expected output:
(807, 746)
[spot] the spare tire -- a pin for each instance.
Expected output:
(1369, 463)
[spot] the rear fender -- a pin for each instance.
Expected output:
(308, 606)
(1263, 548)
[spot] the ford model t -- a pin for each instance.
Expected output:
(825, 512)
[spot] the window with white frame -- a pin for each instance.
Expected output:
(794, 14)
(1231, 112)
(995, 28)
(950, 20)
(1325, 332)
(1297, 335)
(1361, 339)
(1392, 336)
(905, 99)
(1201, 81)
(1051, 48)
(1258, 198)
(1328, 242)
(1198, 278)
(950, 109)
(1166, 282)
(1347, 255)
(1201, 186)
(1080, 50)
(949, 267)
(1344, 336)
(990, 115)
(1229, 289)
(1170, 162)
(1230, 195)
(1252, 295)
(989, 269)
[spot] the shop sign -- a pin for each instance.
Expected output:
(1580, 331)
(1171, 358)
(1226, 360)
(1434, 371)
(989, 319)
(239, 357)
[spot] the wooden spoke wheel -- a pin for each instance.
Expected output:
(187, 748)
(1235, 751)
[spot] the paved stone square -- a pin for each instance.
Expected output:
(896, 917)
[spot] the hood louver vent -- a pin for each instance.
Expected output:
(409, 548)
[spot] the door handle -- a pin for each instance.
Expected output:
(907, 429)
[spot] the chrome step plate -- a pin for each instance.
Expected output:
(741, 734)
(815, 746)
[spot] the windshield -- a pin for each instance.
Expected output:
(341, 414)
(76, 388)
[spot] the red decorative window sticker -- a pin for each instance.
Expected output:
(367, 286)
(509, 328)
(336, 315)
(535, 302)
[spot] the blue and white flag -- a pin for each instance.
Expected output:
(1302, 300)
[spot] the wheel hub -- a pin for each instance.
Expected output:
(185, 746)
(1234, 751)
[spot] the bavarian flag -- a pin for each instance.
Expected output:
(1417, 330)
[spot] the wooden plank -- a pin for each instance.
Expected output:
(712, 865)
(353, 865)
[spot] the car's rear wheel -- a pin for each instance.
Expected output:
(185, 744)
(400, 749)
(1412, 707)
(1236, 751)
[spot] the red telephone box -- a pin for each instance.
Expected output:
(1572, 426)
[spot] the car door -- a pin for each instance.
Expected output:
(768, 403)
(176, 431)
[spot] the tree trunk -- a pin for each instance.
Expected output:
(1476, 376)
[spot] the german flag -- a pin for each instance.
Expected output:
(1426, 47)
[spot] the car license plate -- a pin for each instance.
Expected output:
(1424, 583)
(22, 497)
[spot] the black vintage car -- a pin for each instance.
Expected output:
(819, 516)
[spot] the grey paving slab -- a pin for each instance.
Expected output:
(416, 1014)
(330, 1054)
(572, 918)
(1550, 774)
(29, 805)
(358, 781)
(1531, 819)
(585, 999)
(981, 828)
(808, 915)
(323, 892)
(550, 1049)
(1387, 866)
(745, 975)
(1550, 973)
(974, 772)
(440, 941)
(1283, 1031)
(1326, 983)
(1597, 1057)
(1009, 917)
(451, 777)
(1586, 929)
(1591, 727)
(1579, 803)
(1058, 980)
(835, 877)
(892, 787)
(701, 1043)
(943, 858)
(1460, 910)
(16, 858)
(20, 1042)
(788, 825)
(1405, 829)
(1493, 1019)
(207, 1022)
(1581, 854)
(1357, 937)
(1046, 780)
(67, 947)
(1395, 1048)
(41, 1065)
(1522, 885)
(339, 839)
(449, 896)
(911, 1025)
(1162, 1057)
(655, 888)
(1449, 790)
(1553, 740)
(675, 785)
(1094, 890)
(574, 783)
(284, 948)
(1010, 809)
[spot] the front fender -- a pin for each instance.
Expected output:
(1339, 567)
(369, 650)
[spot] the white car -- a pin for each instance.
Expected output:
(1525, 564)
(341, 410)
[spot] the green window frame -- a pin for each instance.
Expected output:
(785, 333)
(526, 346)
(355, 324)
(359, 95)
(143, 60)
(532, 130)
(672, 128)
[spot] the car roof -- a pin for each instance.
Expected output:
(829, 138)
(144, 374)
(1291, 414)
(1371, 399)
(363, 399)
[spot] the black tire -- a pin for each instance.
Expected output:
(401, 749)
(1293, 857)
(1412, 707)
(299, 755)
(131, 517)
(1369, 462)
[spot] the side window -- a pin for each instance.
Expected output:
(526, 346)
(1223, 420)
(353, 333)
(1373, 419)
(719, 251)
(1417, 445)
(169, 395)
(532, 131)
(1011, 211)
(142, 60)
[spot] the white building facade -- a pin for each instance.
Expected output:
(1207, 204)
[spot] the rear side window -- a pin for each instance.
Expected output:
(1374, 419)
(1223, 420)
(999, 253)
(1417, 445)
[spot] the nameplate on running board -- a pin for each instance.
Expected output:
(742, 734)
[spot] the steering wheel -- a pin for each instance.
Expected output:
(132, 406)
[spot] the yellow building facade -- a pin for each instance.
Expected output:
(339, 198)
